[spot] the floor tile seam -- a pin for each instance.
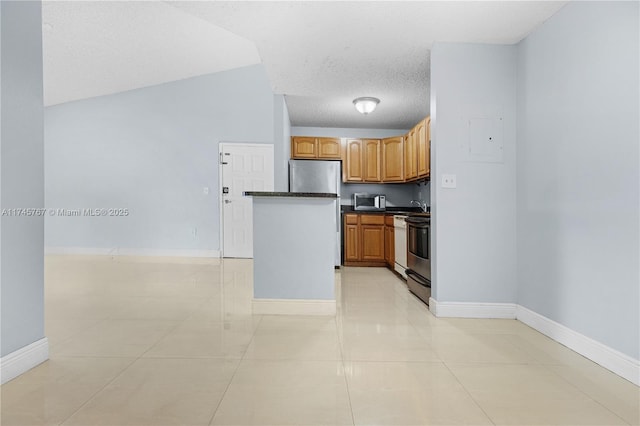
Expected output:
(66, 340)
(253, 335)
(93, 356)
(162, 337)
(229, 358)
(344, 374)
(95, 394)
(226, 389)
(413, 326)
(296, 359)
(224, 393)
(485, 363)
(395, 361)
(512, 345)
(468, 392)
(574, 386)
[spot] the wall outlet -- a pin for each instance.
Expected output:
(205, 190)
(448, 181)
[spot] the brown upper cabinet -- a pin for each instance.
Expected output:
(310, 147)
(423, 145)
(352, 168)
(361, 160)
(417, 151)
(393, 159)
(372, 161)
(410, 156)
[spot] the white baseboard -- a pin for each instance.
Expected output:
(472, 310)
(293, 307)
(132, 252)
(611, 359)
(23, 360)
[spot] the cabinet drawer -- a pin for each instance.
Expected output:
(367, 219)
(388, 220)
(351, 219)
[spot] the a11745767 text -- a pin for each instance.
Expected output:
(60, 212)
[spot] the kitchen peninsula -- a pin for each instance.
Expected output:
(293, 250)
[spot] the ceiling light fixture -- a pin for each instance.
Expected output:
(366, 105)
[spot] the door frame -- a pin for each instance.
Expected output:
(221, 146)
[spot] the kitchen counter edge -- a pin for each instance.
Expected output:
(290, 194)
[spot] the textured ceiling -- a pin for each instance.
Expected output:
(320, 55)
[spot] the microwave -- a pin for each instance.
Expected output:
(369, 202)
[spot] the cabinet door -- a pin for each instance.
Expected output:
(371, 161)
(329, 148)
(428, 132)
(303, 147)
(422, 144)
(410, 161)
(351, 243)
(372, 242)
(389, 245)
(352, 170)
(392, 159)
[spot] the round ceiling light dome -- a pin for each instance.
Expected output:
(365, 105)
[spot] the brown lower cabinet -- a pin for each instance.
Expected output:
(368, 240)
(364, 240)
(389, 242)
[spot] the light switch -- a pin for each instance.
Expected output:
(205, 190)
(448, 181)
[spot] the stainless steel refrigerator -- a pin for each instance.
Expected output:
(318, 176)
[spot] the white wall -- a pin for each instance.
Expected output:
(474, 225)
(398, 194)
(22, 182)
(153, 150)
(578, 172)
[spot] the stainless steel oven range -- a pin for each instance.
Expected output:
(419, 256)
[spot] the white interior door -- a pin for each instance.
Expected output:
(244, 167)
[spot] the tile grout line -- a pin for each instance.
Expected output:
(66, 340)
(93, 396)
(134, 360)
(226, 389)
(344, 367)
(546, 367)
(468, 392)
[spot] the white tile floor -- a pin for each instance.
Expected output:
(172, 342)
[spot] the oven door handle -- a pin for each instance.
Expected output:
(418, 278)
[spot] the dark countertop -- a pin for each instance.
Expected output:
(290, 194)
(416, 211)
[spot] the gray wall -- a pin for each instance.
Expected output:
(22, 181)
(292, 259)
(578, 172)
(474, 237)
(399, 195)
(152, 150)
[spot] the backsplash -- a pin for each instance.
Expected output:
(398, 195)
